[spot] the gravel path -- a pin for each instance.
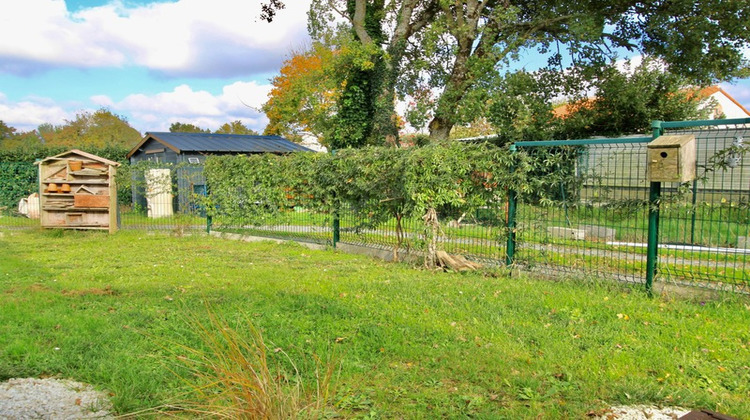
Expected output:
(63, 399)
(643, 412)
(51, 399)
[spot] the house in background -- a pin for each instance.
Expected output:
(724, 105)
(156, 190)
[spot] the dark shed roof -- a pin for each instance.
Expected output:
(221, 143)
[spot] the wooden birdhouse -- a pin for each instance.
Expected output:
(77, 191)
(672, 159)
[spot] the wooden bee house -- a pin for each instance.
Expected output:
(77, 191)
(672, 159)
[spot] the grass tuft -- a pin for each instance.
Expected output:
(230, 374)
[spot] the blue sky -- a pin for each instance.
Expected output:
(204, 62)
(153, 62)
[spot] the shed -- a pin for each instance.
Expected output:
(188, 152)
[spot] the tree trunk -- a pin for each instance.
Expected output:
(432, 227)
(399, 236)
(440, 128)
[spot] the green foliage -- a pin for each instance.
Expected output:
(523, 107)
(235, 127)
(376, 183)
(6, 131)
(178, 127)
(100, 129)
(520, 108)
(250, 189)
(627, 101)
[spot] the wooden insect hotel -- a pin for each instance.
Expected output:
(672, 159)
(77, 191)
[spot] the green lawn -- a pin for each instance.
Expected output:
(113, 311)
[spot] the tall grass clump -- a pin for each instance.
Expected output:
(232, 373)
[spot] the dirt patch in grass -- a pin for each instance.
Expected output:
(107, 291)
(36, 287)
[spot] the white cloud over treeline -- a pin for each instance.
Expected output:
(238, 101)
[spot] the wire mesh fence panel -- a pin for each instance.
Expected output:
(299, 224)
(294, 223)
(589, 211)
(479, 235)
(397, 233)
(19, 195)
(166, 198)
(705, 225)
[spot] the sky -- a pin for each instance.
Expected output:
(204, 62)
(152, 62)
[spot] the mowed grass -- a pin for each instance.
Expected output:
(115, 310)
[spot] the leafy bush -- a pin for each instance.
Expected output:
(376, 183)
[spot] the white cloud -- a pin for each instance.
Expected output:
(28, 114)
(238, 101)
(153, 112)
(184, 38)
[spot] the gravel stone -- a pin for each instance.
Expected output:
(643, 412)
(52, 399)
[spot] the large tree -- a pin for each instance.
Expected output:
(11, 139)
(235, 127)
(178, 127)
(102, 128)
(452, 47)
(381, 31)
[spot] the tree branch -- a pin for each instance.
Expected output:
(358, 21)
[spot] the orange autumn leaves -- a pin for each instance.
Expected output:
(304, 95)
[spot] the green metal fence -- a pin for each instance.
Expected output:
(704, 230)
(593, 215)
(593, 212)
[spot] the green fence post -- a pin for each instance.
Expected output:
(209, 219)
(510, 248)
(654, 196)
(336, 229)
(336, 220)
(692, 217)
